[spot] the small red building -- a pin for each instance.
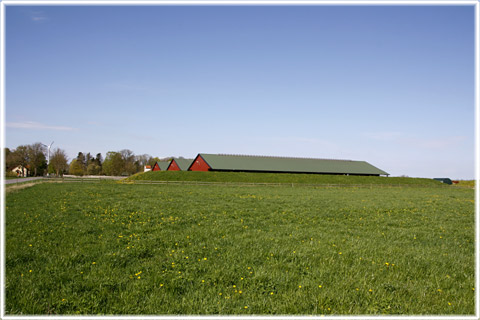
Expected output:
(179, 164)
(161, 165)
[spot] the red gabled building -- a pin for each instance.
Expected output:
(179, 165)
(161, 166)
(199, 164)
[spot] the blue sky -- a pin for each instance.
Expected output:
(391, 85)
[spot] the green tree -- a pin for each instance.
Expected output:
(113, 165)
(76, 168)
(58, 162)
(129, 166)
(93, 169)
(36, 158)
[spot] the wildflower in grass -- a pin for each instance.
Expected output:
(246, 307)
(271, 293)
(203, 281)
(240, 292)
(161, 284)
(205, 258)
(29, 270)
(300, 287)
(340, 252)
(94, 262)
(219, 293)
(449, 304)
(319, 285)
(439, 290)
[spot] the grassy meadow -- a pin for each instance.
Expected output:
(110, 248)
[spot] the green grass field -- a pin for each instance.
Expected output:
(110, 248)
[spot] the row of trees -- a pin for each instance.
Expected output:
(123, 162)
(34, 157)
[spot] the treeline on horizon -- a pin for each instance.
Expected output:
(116, 163)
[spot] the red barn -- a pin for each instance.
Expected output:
(179, 164)
(199, 164)
(239, 163)
(161, 166)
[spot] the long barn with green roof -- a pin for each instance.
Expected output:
(224, 162)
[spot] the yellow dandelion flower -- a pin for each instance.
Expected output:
(240, 291)
(271, 293)
(205, 258)
(319, 285)
(29, 270)
(300, 287)
(246, 307)
(203, 281)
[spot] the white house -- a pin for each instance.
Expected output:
(21, 171)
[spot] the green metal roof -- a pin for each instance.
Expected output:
(183, 164)
(163, 165)
(281, 164)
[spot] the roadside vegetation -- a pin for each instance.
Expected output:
(185, 249)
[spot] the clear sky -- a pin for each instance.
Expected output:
(391, 85)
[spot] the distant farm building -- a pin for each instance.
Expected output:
(220, 162)
(147, 168)
(161, 166)
(179, 164)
